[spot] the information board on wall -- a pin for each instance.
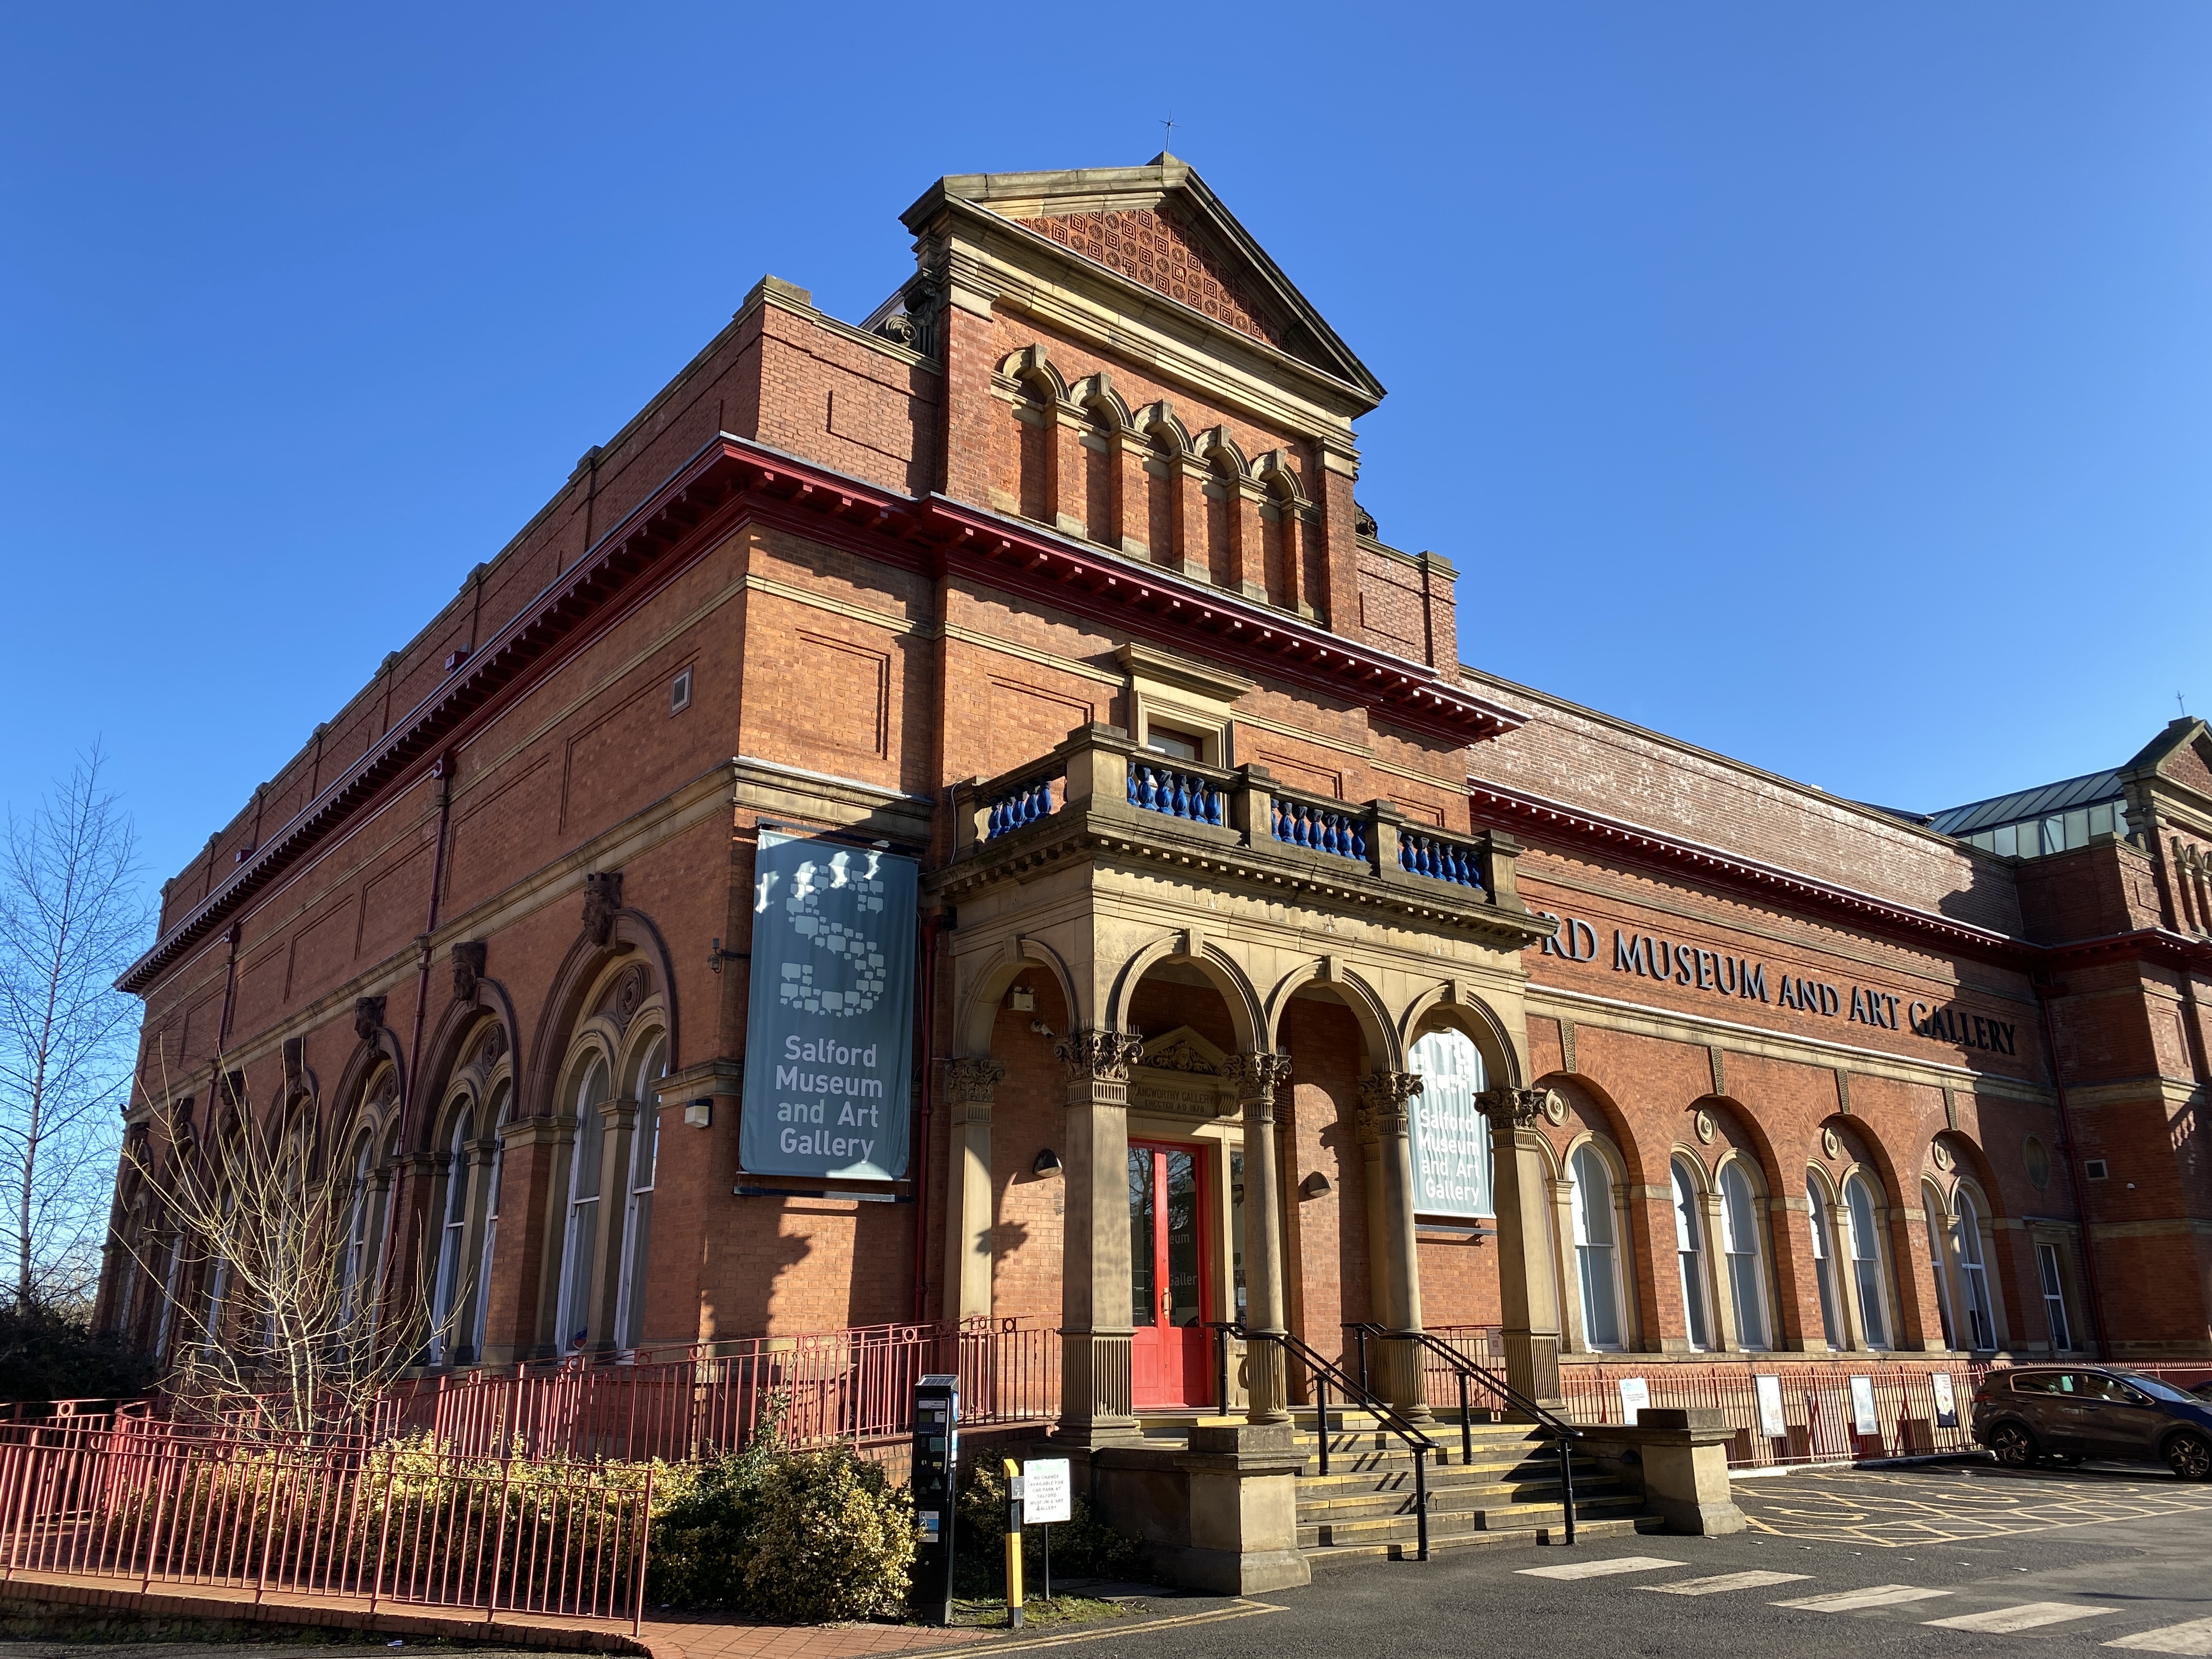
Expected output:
(830, 1026)
(1448, 1139)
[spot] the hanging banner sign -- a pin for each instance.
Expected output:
(1448, 1139)
(829, 1029)
(1863, 1413)
(1635, 1398)
(1946, 1401)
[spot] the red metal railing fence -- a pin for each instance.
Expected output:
(142, 1502)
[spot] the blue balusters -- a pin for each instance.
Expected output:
(1323, 829)
(1440, 860)
(1020, 806)
(1174, 793)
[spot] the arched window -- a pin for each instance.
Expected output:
(1980, 1314)
(580, 1242)
(1596, 1251)
(1689, 1253)
(501, 1103)
(1824, 1269)
(637, 1218)
(1932, 1208)
(360, 1223)
(1866, 1261)
(450, 1287)
(1742, 1227)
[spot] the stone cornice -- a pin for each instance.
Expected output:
(732, 481)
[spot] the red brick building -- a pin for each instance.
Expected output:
(1237, 885)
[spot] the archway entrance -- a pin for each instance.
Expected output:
(1171, 1350)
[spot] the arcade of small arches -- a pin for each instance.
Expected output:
(1077, 457)
(568, 1279)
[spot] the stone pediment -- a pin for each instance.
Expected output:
(1180, 1074)
(1159, 226)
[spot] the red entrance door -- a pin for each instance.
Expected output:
(1170, 1361)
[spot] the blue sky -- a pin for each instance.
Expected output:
(1824, 385)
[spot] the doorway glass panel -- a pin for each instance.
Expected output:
(1183, 1303)
(1144, 1304)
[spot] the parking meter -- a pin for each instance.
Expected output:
(936, 1472)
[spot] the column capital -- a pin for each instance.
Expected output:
(1382, 1098)
(972, 1079)
(1256, 1077)
(1092, 1053)
(1098, 1063)
(1510, 1105)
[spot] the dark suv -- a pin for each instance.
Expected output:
(2071, 1412)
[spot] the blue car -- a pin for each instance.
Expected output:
(2071, 1413)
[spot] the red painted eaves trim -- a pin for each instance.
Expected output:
(1534, 818)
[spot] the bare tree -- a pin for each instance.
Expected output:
(73, 912)
(276, 1322)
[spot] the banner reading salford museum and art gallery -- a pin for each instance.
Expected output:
(1449, 1139)
(829, 1029)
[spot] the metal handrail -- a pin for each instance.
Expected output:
(1322, 1373)
(1468, 1371)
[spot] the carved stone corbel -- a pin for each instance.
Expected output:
(469, 956)
(367, 1017)
(602, 897)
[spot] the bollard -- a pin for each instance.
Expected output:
(1013, 1545)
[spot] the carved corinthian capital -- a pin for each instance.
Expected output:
(1382, 1097)
(1095, 1056)
(971, 1082)
(1256, 1077)
(1506, 1104)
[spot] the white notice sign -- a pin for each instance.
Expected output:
(1635, 1395)
(1046, 1496)
(1863, 1417)
(1772, 1422)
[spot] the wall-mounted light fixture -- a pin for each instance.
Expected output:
(1314, 1185)
(699, 1114)
(1021, 1000)
(1048, 1162)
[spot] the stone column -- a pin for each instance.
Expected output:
(1255, 1079)
(969, 1089)
(1095, 1328)
(1394, 1259)
(1528, 1294)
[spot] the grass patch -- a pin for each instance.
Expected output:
(989, 1612)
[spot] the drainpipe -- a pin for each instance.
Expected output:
(442, 776)
(932, 927)
(2073, 1170)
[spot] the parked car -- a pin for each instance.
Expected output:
(2073, 1411)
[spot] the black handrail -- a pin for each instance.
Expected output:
(1468, 1371)
(1325, 1372)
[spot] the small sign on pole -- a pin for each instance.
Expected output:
(1635, 1395)
(1047, 1496)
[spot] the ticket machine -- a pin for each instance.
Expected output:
(936, 1476)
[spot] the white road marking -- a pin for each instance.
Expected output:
(2026, 1616)
(1598, 1569)
(2193, 1638)
(1881, 1595)
(1725, 1581)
